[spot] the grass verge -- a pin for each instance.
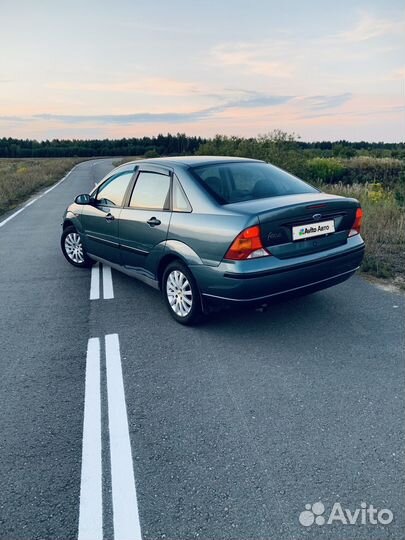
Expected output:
(20, 178)
(121, 161)
(383, 228)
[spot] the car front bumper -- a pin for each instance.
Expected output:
(258, 280)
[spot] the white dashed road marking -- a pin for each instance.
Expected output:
(107, 284)
(91, 504)
(108, 291)
(95, 282)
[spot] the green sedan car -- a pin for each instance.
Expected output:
(212, 230)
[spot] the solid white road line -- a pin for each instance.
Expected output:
(125, 506)
(95, 282)
(108, 291)
(91, 503)
(13, 216)
(2, 223)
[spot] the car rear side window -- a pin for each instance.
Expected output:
(180, 202)
(112, 192)
(235, 182)
(151, 191)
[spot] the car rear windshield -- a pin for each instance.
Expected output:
(245, 181)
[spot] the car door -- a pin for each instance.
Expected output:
(145, 221)
(100, 219)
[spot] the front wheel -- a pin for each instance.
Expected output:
(181, 294)
(73, 249)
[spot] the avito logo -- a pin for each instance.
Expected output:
(365, 515)
(311, 229)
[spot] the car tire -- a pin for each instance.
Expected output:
(181, 294)
(73, 249)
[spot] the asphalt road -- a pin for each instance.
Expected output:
(234, 426)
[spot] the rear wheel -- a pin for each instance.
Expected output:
(73, 249)
(181, 294)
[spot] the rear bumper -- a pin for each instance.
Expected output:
(262, 279)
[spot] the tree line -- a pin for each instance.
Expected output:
(134, 146)
(182, 144)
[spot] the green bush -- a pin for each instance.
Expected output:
(325, 170)
(277, 147)
(151, 154)
(365, 169)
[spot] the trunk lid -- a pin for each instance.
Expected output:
(278, 215)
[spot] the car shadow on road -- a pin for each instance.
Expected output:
(279, 311)
(322, 315)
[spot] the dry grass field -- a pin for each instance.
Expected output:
(20, 178)
(383, 227)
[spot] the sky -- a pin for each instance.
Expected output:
(101, 69)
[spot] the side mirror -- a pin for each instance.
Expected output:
(83, 199)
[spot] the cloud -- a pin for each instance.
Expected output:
(257, 99)
(13, 119)
(397, 108)
(145, 85)
(327, 102)
(119, 118)
(318, 105)
(370, 27)
(257, 58)
(397, 75)
(252, 100)
(355, 114)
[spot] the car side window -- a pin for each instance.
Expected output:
(180, 201)
(215, 181)
(112, 192)
(151, 191)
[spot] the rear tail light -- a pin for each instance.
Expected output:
(247, 245)
(357, 223)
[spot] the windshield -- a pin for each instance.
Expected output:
(244, 181)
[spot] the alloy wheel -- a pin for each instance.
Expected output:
(179, 293)
(74, 247)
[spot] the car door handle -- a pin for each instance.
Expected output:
(109, 217)
(153, 222)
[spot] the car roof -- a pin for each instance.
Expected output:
(193, 161)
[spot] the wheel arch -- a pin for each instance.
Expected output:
(68, 223)
(176, 251)
(164, 263)
(71, 220)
